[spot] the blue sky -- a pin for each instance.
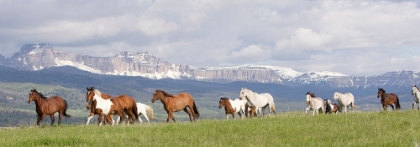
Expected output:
(351, 37)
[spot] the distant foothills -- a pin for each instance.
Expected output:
(38, 56)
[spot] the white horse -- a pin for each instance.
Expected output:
(144, 109)
(345, 100)
(258, 101)
(314, 103)
(415, 91)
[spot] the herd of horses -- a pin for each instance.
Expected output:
(249, 104)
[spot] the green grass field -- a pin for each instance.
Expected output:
(400, 128)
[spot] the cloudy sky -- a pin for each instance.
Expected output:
(351, 37)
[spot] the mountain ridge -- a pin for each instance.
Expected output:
(39, 56)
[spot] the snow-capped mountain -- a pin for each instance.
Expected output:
(40, 55)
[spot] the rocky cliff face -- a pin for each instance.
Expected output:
(41, 55)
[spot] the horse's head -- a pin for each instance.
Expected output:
(157, 95)
(33, 95)
(244, 92)
(336, 96)
(222, 102)
(308, 98)
(380, 92)
(414, 89)
(90, 94)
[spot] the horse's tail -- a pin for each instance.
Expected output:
(135, 110)
(354, 105)
(149, 111)
(397, 103)
(65, 109)
(197, 114)
(273, 107)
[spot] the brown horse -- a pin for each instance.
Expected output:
(388, 99)
(123, 103)
(175, 103)
(48, 106)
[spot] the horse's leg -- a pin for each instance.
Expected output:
(39, 120)
(189, 113)
(170, 115)
(412, 105)
(141, 121)
(252, 111)
(90, 117)
(52, 119)
(392, 106)
(60, 115)
(100, 119)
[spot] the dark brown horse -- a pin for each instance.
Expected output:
(48, 106)
(174, 103)
(123, 103)
(388, 99)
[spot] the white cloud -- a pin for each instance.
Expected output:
(304, 35)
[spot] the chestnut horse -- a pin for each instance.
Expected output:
(108, 104)
(388, 99)
(174, 103)
(48, 106)
(233, 106)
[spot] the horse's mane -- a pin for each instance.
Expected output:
(40, 94)
(381, 89)
(165, 94)
(103, 95)
(224, 98)
(311, 94)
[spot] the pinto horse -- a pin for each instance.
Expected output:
(48, 106)
(331, 108)
(109, 104)
(95, 111)
(388, 99)
(415, 91)
(174, 103)
(232, 106)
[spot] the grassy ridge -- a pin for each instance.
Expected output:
(285, 129)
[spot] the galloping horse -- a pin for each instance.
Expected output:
(345, 100)
(122, 103)
(232, 106)
(331, 108)
(48, 106)
(103, 104)
(388, 99)
(144, 109)
(95, 111)
(255, 100)
(415, 91)
(314, 103)
(174, 103)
